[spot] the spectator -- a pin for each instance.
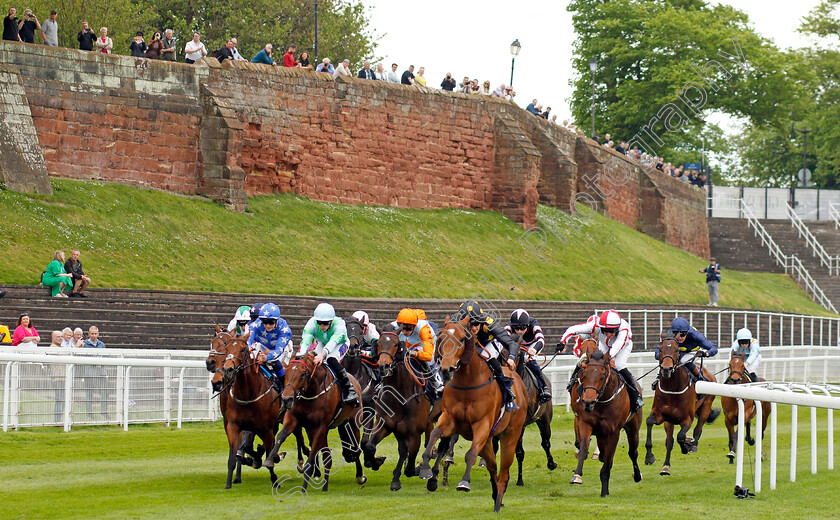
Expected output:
(55, 277)
(235, 51)
(464, 86)
(546, 113)
(28, 26)
(325, 66)
(78, 341)
(622, 147)
(289, 57)
(597, 138)
(692, 179)
(194, 50)
(11, 26)
(408, 76)
(500, 91)
(419, 78)
(264, 56)
(225, 53)
(474, 88)
(712, 280)
(343, 69)
(448, 83)
(607, 138)
(80, 280)
(50, 30)
(303, 61)
(138, 45)
(25, 335)
(510, 93)
(379, 73)
(701, 183)
(554, 119)
(392, 75)
(169, 42)
(365, 72)
(57, 373)
(485, 89)
(95, 378)
(67, 338)
(532, 108)
(103, 43)
(155, 46)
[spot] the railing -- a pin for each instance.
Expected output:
(720, 326)
(790, 263)
(827, 260)
(794, 394)
(43, 389)
(834, 213)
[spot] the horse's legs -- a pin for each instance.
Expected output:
(282, 435)
(369, 444)
(317, 443)
(443, 429)
(268, 443)
(702, 415)
(481, 432)
(608, 448)
(583, 432)
(403, 451)
(488, 454)
(730, 428)
(544, 424)
(682, 436)
(669, 445)
(413, 444)
(631, 429)
(520, 458)
(747, 424)
(652, 419)
(507, 449)
(232, 431)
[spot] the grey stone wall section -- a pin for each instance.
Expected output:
(22, 165)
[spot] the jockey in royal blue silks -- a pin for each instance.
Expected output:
(533, 340)
(272, 336)
(692, 344)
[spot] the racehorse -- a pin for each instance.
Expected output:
(676, 402)
(471, 406)
(603, 409)
(312, 400)
(737, 375)
(540, 413)
(252, 405)
(401, 406)
(358, 364)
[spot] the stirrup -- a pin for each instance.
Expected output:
(545, 396)
(351, 398)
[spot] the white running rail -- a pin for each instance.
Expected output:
(835, 214)
(791, 263)
(827, 260)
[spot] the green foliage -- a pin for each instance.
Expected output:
(289, 245)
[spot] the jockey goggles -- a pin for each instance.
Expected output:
(269, 321)
(609, 330)
(325, 323)
(407, 326)
(743, 342)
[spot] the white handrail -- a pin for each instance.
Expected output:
(789, 262)
(834, 213)
(832, 262)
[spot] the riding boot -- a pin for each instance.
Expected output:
(348, 393)
(655, 382)
(434, 379)
(573, 378)
(544, 395)
(696, 372)
(503, 381)
(753, 377)
(277, 374)
(636, 401)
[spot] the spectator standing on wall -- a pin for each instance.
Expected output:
(500, 91)
(712, 280)
(485, 89)
(169, 41)
(343, 69)
(264, 56)
(235, 51)
(392, 75)
(289, 57)
(28, 26)
(622, 147)
(448, 84)
(138, 45)
(155, 46)
(365, 72)
(303, 61)
(80, 280)
(86, 37)
(225, 53)
(379, 73)
(11, 26)
(325, 66)
(532, 108)
(419, 79)
(104, 44)
(408, 76)
(50, 30)
(194, 50)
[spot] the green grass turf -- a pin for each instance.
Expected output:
(154, 472)
(285, 244)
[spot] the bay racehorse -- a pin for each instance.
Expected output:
(540, 413)
(472, 406)
(603, 409)
(676, 402)
(311, 399)
(738, 374)
(358, 364)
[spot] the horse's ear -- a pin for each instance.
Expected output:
(662, 336)
(218, 329)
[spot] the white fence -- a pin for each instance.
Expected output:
(770, 203)
(56, 386)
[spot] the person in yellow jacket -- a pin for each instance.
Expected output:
(419, 341)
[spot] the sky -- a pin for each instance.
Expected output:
(473, 39)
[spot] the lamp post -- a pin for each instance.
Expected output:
(804, 171)
(515, 47)
(316, 32)
(593, 66)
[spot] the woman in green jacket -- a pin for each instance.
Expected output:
(55, 277)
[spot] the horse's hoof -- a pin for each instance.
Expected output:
(596, 455)
(377, 463)
(448, 460)
(431, 485)
(464, 485)
(649, 460)
(361, 480)
(751, 441)
(269, 464)
(228, 486)
(425, 472)
(666, 470)
(396, 486)
(692, 448)
(520, 483)
(685, 447)
(482, 464)
(237, 481)
(552, 465)
(280, 456)
(576, 479)
(637, 477)
(257, 464)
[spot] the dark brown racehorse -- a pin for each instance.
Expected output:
(312, 400)
(250, 405)
(676, 402)
(470, 407)
(537, 413)
(603, 410)
(401, 407)
(737, 375)
(357, 363)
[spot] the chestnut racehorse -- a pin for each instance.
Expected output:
(738, 374)
(603, 409)
(471, 406)
(540, 413)
(676, 402)
(312, 401)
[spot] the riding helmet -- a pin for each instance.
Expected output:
(680, 325)
(324, 312)
(407, 316)
(520, 319)
(609, 320)
(270, 311)
(744, 334)
(472, 309)
(362, 317)
(255, 311)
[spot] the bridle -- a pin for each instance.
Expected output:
(743, 373)
(600, 391)
(395, 357)
(307, 379)
(352, 333)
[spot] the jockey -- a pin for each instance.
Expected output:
(272, 336)
(254, 312)
(239, 324)
(491, 338)
(420, 343)
(369, 333)
(533, 340)
(614, 338)
(325, 334)
(748, 346)
(692, 344)
(421, 315)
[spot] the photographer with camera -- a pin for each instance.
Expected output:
(28, 26)
(448, 84)
(86, 37)
(10, 26)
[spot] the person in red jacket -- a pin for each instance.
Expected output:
(289, 57)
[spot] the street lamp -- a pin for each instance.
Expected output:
(593, 66)
(514, 52)
(316, 32)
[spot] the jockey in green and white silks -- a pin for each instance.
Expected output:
(325, 335)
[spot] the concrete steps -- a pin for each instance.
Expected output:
(734, 244)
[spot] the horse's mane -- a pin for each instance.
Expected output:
(469, 350)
